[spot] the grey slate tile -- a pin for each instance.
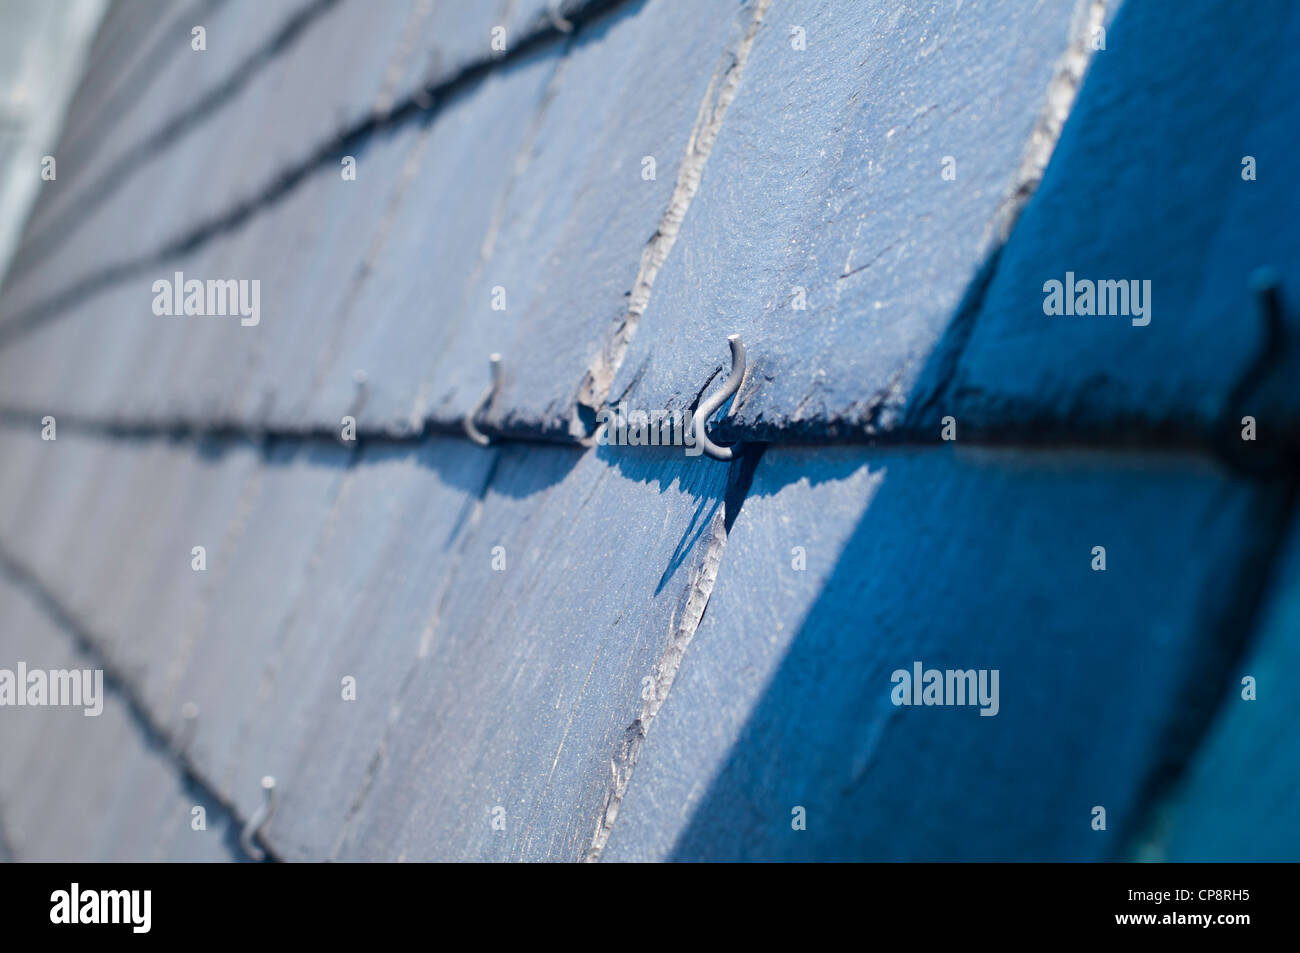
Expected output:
(401, 325)
(77, 788)
(378, 580)
(1182, 218)
(63, 483)
(312, 550)
(345, 265)
(113, 360)
(530, 690)
(563, 236)
(162, 93)
(264, 565)
(346, 67)
(498, 163)
(976, 559)
(579, 225)
(828, 176)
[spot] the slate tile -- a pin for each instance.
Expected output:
(562, 237)
(153, 81)
(129, 49)
(976, 559)
(401, 326)
(118, 559)
(47, 518)
(349, 64)
(827, 175)
(312, 550)
(378, 581)
(265, 563)
(353, 261)
(580, 222)
(113, 360)
(77, 788)
(1146, 185)
(532, 679)
(109, 527)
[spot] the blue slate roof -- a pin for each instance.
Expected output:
(555, 648)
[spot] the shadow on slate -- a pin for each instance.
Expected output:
(1240, 800)
(967, 560)
(532, 678)
(1147, 184)
(827, 176)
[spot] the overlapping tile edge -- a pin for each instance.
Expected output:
(698, 552)
(681, 638)
(555, 22)
(593, 390)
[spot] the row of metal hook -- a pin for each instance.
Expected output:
(252, 829)
(705, 410)
(1264, 287)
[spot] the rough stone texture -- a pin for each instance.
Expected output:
(341, 65)
(599, 689)
(827, 176)
(77, 788)
(965, 560)
(380, 566)
(393, 274)
(566, 234)
(1147, 184)
(149, 369)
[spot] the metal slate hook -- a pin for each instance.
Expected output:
(557, 18)
(707, 407)
(189, 725)
(472, 431)
(255, 823)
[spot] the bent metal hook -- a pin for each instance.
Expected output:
(472, 431)
(707, 407)
(255, 823)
